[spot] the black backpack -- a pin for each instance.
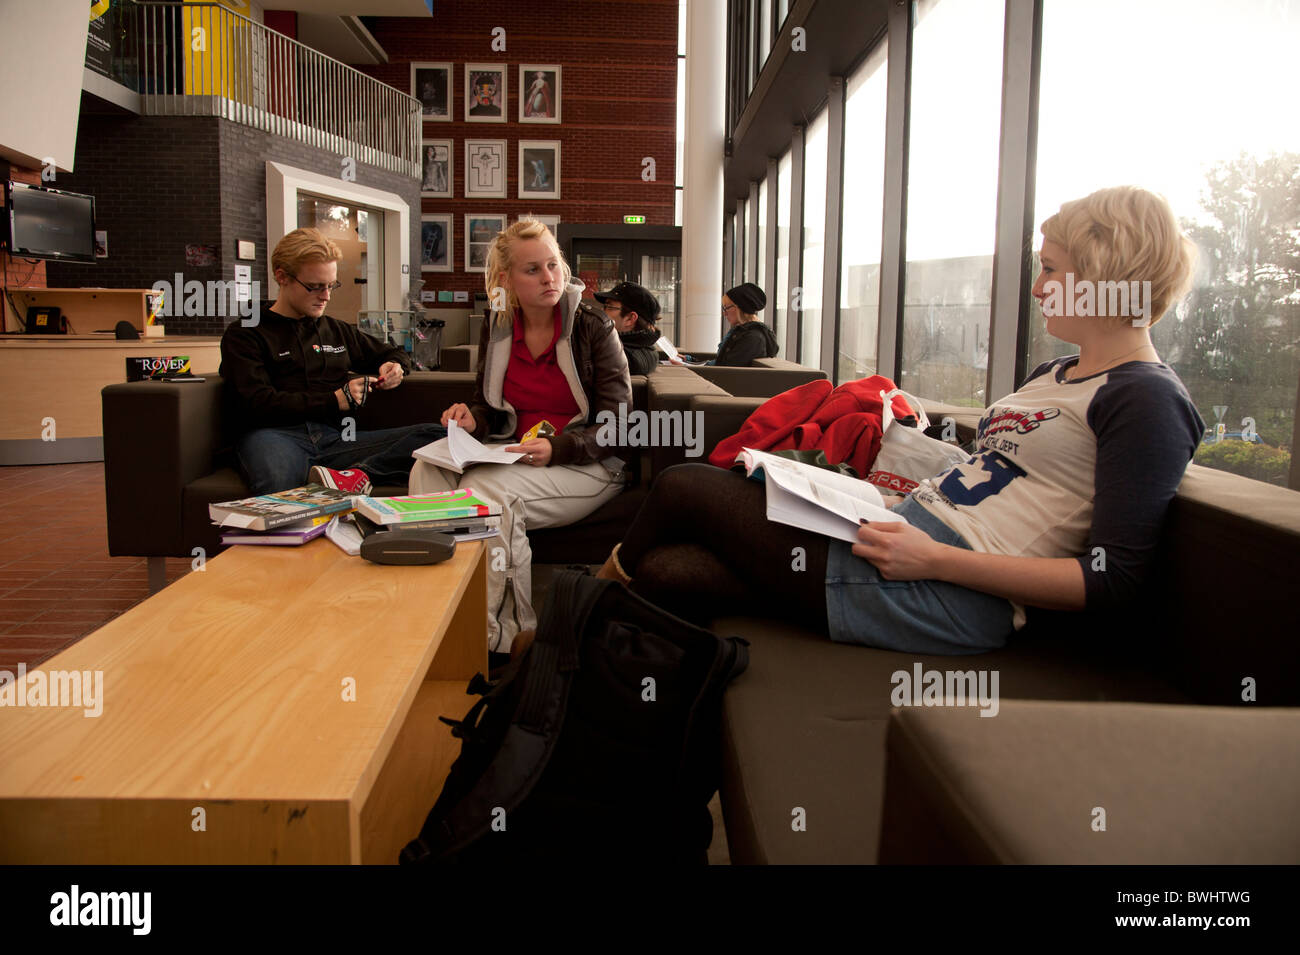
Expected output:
(600, 743)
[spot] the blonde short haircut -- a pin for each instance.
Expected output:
(302, 246)
(1126, 234)
(499, 259)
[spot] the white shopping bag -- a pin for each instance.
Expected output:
(907, 456)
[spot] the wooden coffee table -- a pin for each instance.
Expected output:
(227, 734)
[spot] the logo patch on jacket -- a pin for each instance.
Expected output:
(332, 349)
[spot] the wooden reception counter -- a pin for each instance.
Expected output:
(52, 386)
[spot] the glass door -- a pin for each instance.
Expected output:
(359, 232)
(661, 274)
(600, 264)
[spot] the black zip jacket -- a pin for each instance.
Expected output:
(745, 342)
(639, 346)
(284, 371)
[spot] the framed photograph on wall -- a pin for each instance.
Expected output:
(480, 230)
(485, 92)
(431, 85)
(539, 169)
(485, 168)
(436, 168)
(436, 242)
(539, 93)
(551, 222)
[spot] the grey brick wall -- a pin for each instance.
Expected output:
(156, 183)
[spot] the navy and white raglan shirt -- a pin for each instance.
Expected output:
(1064, 467)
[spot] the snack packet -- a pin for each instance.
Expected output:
(543, 429)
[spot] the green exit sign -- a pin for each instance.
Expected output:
(634, 220)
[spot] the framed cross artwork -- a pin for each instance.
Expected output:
(431, 85)
(480, 230)
(485, 168)
(539, 169)
(539, 93)
(485, 92)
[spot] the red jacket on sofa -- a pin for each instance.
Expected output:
(843, 422)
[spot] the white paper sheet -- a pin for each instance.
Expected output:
(665, 346)
(345, 534)
(466, 449)
(816, 499)
(477, 535)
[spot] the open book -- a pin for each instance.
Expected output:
(815, 499)
(460, 449)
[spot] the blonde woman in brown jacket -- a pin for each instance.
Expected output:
(546, 356)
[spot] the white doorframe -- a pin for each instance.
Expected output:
(283, 183)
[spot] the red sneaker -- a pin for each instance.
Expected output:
(353, 481)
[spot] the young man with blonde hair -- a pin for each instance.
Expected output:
(293, 378)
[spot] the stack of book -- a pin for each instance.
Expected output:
(284, 518)
(449, 512)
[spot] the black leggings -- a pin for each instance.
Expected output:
(702, 546)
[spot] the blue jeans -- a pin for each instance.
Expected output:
(275, 459)
(915, 616)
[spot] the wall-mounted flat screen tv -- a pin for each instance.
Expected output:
(51, 224)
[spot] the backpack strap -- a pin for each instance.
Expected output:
(573, 596)
(731, 661)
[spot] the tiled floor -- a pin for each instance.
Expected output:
(57, 581)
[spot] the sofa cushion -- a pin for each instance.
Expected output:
(804, 727)
(458, 358)
(1178, 785)
(589, 540)
(671, 390)
(422, 397)
(1225, 574)
(764, 379)
(224, 484)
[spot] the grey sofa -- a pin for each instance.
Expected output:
(167, 457)
(810, 725)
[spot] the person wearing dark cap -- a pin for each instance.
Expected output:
(633, 310)
(748, 338)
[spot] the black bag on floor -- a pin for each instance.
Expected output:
(600, 743)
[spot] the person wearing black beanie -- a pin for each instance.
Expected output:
(748, 338)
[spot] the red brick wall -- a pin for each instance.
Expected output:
(618, 104)
(20, 272)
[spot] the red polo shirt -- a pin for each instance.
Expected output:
(536, 387)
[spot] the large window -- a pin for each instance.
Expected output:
(952, 194)
(781, 304)
(745, 237)
(809, 297)
(760, 234)
(729, 249)
(1219, 146)
(864, 180)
